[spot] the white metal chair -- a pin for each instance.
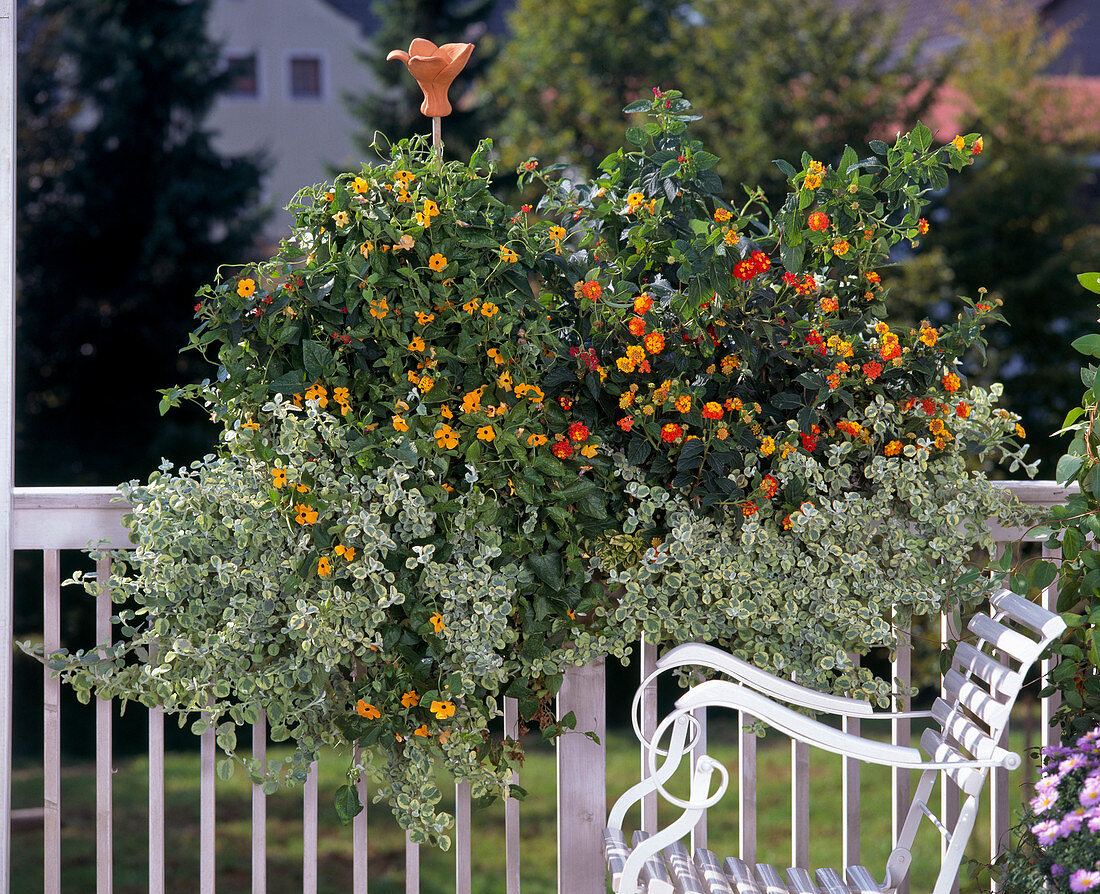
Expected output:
(979, 691)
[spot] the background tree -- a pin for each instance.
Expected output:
(770, 79)
(391, 102)
(1020, 223)
(124, 208)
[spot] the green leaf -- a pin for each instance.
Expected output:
(922, 137)
(225, 769)
(785, 166)
(548, 568)
(293, 382)
(1067, 468)
(878, 147)
(347, 803)
(1090, 281)
(1087, 344)
(636, 135)
(315, 357)
(1041, 575)
(1072, 543)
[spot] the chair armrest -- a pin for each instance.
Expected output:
(700, 654)
(722, 693)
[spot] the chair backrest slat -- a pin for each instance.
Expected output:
(1011, 642)
(962, 734)
(1023, 611)
(1001, 680)
(990, 711)
(969, 779)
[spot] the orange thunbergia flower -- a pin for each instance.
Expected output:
(495, 355)
(341, 218)
(471, 306)
(437, 261)
(536, 440)
(426, 384)
(301, 488)
(431, 209)
(486, 433)
(348, 552)
(423, 319)
(405, 243)
(307, 515)
(443, 710)
(488, 309)
(324, 568)
(471, 401)
(318, 393)
(446, 437)
(506, 254)
(417, 344)
(421, 731)
(367, 710)
(437, 622)
(588, 451)
(246, 288)
(642, 304)
(399, 423)
(410, 699)
(278, 478)
(504, 380)
(359, 185)
(556, 233)
(379, 308)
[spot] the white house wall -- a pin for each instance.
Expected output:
(301, 136)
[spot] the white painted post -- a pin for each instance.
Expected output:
(412, 866)
(746, 793)
(901, 734)
(104, 748)
(207, 813)
(849, 785)
(647, 664)
(1051, 734)
(511, 806)
(309, 832)
(259, 809)
(7, 418)
(582, 782)
(359, 837)
(463, 864)
(949, 791)
(51, 733)
(156, 801)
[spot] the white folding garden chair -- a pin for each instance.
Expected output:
(978, 694)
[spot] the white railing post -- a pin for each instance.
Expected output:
(582, 782)
(7, 417)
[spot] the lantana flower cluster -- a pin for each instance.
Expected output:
(1060, 850)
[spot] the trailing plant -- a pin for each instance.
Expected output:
(466, 447)
(1071, 529)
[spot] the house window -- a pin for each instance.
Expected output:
(305, 77)
(244, 75)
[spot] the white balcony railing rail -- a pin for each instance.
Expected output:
(49, 520)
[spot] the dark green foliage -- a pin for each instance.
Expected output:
(391, 101)
(124, 209)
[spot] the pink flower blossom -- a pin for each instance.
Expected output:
(1046, 832)
(1084, 880)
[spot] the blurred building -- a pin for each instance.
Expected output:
(291, 62)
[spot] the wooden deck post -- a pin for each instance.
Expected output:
(582, 783)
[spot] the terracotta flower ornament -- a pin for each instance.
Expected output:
(435, 69)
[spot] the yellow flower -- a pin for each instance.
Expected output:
(348, 552)
(445, 412)
(1020, 433)
(588, 451)
(399, 423)
(246, 287)
(278, 478)
(421, 731)
(928, 335)
(324, 569)
(422, 219)
(446, 437)
(307, 515)
(301, 488)
(443, 710)
(495, 355)
(471, 401)
(840, 249)
(732, 237)
(486, 433)
(410, 699)
(379, 308)
(767, 446)
(431, 209)
(367, 710)
(536, 440)
(341, 218)
(625, 365)
(417, 344)
(404, 177)
(959, 143)
(424, 319)
(359, 185)
(504, 380)
(508, 255)
(437, 262)
(426, 384)
(683, 404)
(488, 309)
(318, 393)
(721, 215)
(437, 622)
(813, 181)
(556, 233)
(816, 167)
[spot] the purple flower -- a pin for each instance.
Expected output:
(1057, 870)
(1071, 763)
(1084, 880)
(1046, 832)
(1090, 794)
(1043, 801)
(1071, 823)
(1048, 783)
(1094, 820)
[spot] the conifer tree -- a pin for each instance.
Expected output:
(124, 209)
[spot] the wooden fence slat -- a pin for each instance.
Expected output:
(51, 723)
(259, 809)
(511, 806)
(104, 851)
(156, 801)
(463, 866)
(309, 832)
(800, 805)
(849, 795)
(207, 813)
(412, 866)
(647, 663)
(746, 791)
(582, 782)
(359, 837)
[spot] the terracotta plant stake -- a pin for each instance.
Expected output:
(435, 69)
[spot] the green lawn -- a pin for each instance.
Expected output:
(437, 869)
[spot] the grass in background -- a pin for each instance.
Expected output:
(386, 840)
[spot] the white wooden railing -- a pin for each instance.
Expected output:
(49, 520)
